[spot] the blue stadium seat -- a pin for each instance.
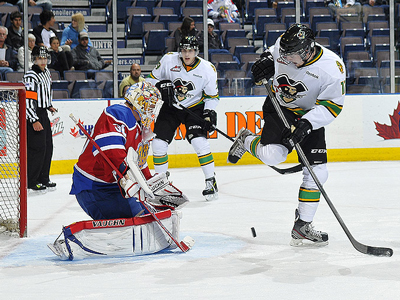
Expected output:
(320, 18)
(251, 6)
(283, 4)
(98, 3)
(155, 43)
(59, 84)
(241, 49)
(333, 35)
(82, 84)
(312, 3)
(258, 27)
(227, 65)
(175, 4)
(271, 36)
(168, 19)
(194, 3)
(134, 29)
(354, 32)
(149, 4)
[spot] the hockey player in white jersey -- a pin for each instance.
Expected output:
(309, 84)
(186, 82)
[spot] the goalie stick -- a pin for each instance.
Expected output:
(290, 170)
(187, 242)
(377, 251)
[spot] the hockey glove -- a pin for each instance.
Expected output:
(297, 134)
(210, 116)
(129, 188)
(263, 68)
(166, 88)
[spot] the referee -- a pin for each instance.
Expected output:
(38, 101)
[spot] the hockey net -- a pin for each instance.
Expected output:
(13, 172)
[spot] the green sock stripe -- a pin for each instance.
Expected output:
(160, 160)
(306, 195)
(253, 145)
(206, 159)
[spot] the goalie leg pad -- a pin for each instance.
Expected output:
(114, 239)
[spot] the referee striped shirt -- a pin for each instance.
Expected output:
(38, 91)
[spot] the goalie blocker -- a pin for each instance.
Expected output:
(118, 237)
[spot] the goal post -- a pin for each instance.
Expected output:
(13, 156)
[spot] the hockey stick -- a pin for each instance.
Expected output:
(377, 251)
(182, 245)
(290, 170)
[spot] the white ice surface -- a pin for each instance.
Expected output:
(226, 262)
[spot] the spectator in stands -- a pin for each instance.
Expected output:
(44, 31)
(187, 29)
(333, 5)
(88, 58)
(8, 60)
(45, 4)
(223, 11)
(8, 3)
(214, 42)
(70, 34)
(131, 79)
(15, 36)
(60, 60)
(21, 53)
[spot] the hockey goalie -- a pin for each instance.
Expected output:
(133, 212)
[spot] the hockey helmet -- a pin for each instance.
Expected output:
(189, 42)
(146, 99)
(298, 39)
(40, 52)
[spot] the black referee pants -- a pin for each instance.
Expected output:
(40, 150)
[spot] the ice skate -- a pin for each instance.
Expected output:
(237, 150)
(303, 231)
(211, 190)
(51, 186)
(59, 248)
(37, 189)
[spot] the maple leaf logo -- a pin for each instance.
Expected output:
(74, 131)
(393, 131)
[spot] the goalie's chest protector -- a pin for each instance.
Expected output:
(115, 131)
(192, 84)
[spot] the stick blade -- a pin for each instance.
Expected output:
(380, 251)
(186, 244)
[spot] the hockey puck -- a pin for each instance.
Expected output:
(253, 231)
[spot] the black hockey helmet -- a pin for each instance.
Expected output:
(298, 39)
(40, 52)
(189, 42)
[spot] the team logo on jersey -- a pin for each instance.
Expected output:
(158, 65)
(289, 89)
(176, 69)
(182, 88)
(340, 66)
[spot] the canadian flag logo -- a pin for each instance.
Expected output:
(393, 131)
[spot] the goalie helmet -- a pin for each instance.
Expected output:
(146, 99)
(298, 39)
(40, 52)
(189, 42)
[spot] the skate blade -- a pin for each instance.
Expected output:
(36, 193)
(57, 251)
(306, 243)
(51, 189)
(211, 197)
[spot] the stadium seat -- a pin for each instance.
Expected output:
(60, 94)
(81, 84)
(133, 26)
(86, 93)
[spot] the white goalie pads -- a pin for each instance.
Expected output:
(117, 237)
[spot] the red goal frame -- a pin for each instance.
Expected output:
(23, 152)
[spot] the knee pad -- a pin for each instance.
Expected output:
(160, 147)
(201, 145)
(272, 154)
(320, 171)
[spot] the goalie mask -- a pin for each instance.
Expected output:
(40, 52)
(297, 40)
(146, 99)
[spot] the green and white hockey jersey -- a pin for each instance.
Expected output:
(315, 91)
(193, 84)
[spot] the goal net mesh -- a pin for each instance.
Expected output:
(10, 168)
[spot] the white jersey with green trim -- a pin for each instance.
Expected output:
(193, 84)
(316, 91)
